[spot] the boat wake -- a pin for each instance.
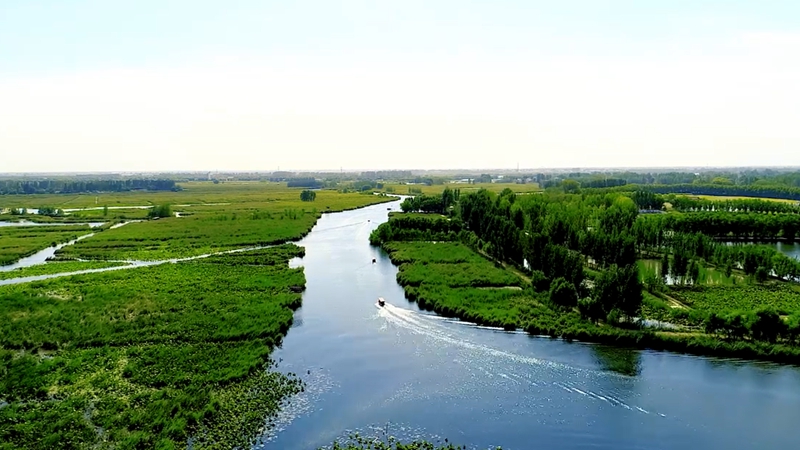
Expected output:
(503, 366)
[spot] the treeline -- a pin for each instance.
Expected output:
(307, 182)
(416, 228)
(752, 190)
(585, 182)
(687, 204)
(722, 225)
(760, 325)
(81, 186)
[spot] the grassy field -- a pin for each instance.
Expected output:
(425, 252)
(122, 359)
(56, 267)
(19, 242)
(451, 279)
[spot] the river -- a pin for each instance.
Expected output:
(418, 375)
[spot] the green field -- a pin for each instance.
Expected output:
(782, 297)
(425, 252)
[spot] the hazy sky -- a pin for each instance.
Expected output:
(258, 85)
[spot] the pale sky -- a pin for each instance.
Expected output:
(434, 84)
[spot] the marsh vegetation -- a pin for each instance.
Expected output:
(158, 356)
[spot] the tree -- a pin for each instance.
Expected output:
(664, 266)
(160, 211)
(714, 323)
(105, 210)
(761, 274)
(563, 293)
(693, 272)
(590, 308)
(308, 195)
(539, 281)
(619, 288)
(767, 325)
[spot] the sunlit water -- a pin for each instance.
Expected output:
(417, 375)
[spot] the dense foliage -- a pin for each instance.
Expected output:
(439, 204)
(307, 182)
(308, 195)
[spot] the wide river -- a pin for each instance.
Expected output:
(418, 375)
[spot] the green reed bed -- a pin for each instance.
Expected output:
(148, 357)
(782, 297)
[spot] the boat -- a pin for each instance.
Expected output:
(381, 301)
(374, 260)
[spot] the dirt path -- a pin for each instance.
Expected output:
(673, 302)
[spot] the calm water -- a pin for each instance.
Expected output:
(424, 376)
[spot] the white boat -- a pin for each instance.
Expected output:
(381, 301)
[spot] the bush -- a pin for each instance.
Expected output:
(563, 293)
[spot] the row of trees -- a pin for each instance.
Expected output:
(80, 186)
(718, 224)
(685, 203)
(727, 190)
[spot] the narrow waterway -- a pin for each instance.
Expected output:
(414, 374)
(41, 256)
(28, 223)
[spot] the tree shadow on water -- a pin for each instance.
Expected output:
(625, 361)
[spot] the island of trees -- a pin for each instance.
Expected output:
(596, 265)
